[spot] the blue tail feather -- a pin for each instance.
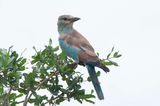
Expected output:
(94, 79)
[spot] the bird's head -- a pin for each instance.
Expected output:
(67, 20)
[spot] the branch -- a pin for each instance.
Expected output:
(46, 79)
(54, 98)
(10, 90)
(6, 98)
(60, 95)
(26, 100)
(20, 102)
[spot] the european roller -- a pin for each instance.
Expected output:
(79, 49)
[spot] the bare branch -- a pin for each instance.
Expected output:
(26, 99)
(6, 98)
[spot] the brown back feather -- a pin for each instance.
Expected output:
(87, 53)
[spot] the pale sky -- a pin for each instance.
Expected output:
(132, 26)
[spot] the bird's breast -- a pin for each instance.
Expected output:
(71, 50)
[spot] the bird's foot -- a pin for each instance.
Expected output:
(81, 63)
(73, 65)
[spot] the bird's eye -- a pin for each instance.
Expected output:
(65, 19)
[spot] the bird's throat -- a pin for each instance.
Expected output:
(65, 29)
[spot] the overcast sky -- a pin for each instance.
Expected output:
(132, 26)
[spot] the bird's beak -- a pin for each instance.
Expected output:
(75, 19)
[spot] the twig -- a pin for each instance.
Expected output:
(54, 98)
(23, 52)
(20, 102)
(46, 79)
(6, 98)
(10, 90)
(60, 95)
(30, 96)
(26, 100)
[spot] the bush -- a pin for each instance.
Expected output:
(50, 73)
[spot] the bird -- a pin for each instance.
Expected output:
(79, 49)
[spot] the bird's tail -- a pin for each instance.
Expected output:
(94, 79)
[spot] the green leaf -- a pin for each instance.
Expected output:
(22, 90)
(89, 79)
(22, 62)
(61, 99)
(108, 55)
(87, 96)
(12, 96)
(92, 91)
(64, 91)
(31, 100)
(98, 73)
(44, 97)
(108, 63)
(35, 49)
(114, 63)
(63, 55)
(20, 95)
(30, 80)
(97, 54)
(112, 49)
(119, 55)
(56, 48)
(79, 100)
(1, 89)
(4, 81)
(80, 92)
(90, 101)
(50, 42)
(115, 54)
